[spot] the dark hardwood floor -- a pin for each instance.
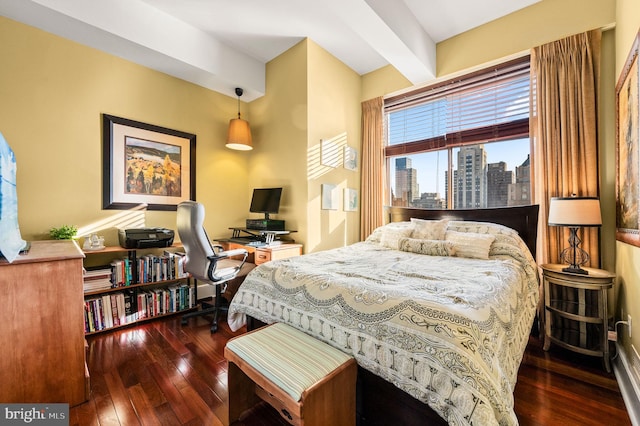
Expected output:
(161, 373)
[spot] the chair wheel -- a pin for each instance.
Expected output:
(183, 321)
(214, 328)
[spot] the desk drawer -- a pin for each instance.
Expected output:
(284, 251)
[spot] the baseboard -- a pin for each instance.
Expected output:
(629, 384)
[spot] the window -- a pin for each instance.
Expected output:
(462, 143)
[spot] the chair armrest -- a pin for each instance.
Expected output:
(230, 273)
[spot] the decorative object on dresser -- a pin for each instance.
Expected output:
(574, 212)
(203, 261)
(575, 310)
(11, 242)
(65, 232)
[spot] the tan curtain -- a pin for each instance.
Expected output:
(564, 133)
(372, 184)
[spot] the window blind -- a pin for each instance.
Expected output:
(484, 106)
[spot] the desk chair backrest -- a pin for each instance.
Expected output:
(198, 249)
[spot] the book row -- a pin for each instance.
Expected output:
(124, 307)
(144, 269)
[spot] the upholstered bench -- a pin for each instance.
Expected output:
(306, 380)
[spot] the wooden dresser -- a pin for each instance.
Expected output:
(42, 354)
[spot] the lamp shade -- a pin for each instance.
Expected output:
(239, 135)
(574, 211)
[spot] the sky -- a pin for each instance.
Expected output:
(513, 152)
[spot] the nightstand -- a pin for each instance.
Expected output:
(575, 310)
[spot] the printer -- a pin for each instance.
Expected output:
(138, 238)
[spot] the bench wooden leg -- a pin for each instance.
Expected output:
(333, 401)
(242, 394)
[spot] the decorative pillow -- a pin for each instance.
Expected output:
(471, 244)
(391, 236)
(429, 229)
(480, 227)
(377, 233)
(428, 247)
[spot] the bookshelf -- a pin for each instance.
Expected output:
(127, 286)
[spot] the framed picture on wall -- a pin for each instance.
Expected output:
(144, 164)
(350, 200)
(329, 196)
(627, 145)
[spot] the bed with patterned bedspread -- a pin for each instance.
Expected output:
(441, 309)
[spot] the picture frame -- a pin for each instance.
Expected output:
(350, 200)
(627, 145)
(145, 164)
(330, 197)
(350, 158)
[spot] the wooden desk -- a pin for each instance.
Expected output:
(42, 355)
(259, 255)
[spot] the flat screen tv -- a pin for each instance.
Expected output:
(265, 200)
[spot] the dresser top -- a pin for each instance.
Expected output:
(46, 251)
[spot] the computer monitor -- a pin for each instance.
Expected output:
(265, 200)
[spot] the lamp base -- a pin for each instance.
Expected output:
(575, 269)
(574, 255)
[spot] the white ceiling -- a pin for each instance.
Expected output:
(223, 44)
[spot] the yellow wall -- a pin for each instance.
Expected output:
(334, 115)
(280, 125)
(538, 24)
(58, 89)
(627, 256)
(310, 96)
(52, 95)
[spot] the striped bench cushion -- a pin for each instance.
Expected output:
(289, 358)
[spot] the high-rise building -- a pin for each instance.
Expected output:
(520, 191)
(430, 200)
(407, 189)
(498, 181)
(470, 178)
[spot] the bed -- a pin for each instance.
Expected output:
(436, 307)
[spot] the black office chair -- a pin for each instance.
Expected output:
(204, 261)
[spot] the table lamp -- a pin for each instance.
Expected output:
(574, 212)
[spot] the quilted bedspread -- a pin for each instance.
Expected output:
(450, 331)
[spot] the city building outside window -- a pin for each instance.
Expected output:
(463, 143)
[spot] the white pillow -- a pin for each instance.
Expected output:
(377, 233)
(428, 247)
(480, 227)
(429, 229)
(471, 244)
(391, 236)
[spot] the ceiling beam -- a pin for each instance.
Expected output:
(394, 32)
(138, 32)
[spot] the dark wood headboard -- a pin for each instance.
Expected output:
(523, 219)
